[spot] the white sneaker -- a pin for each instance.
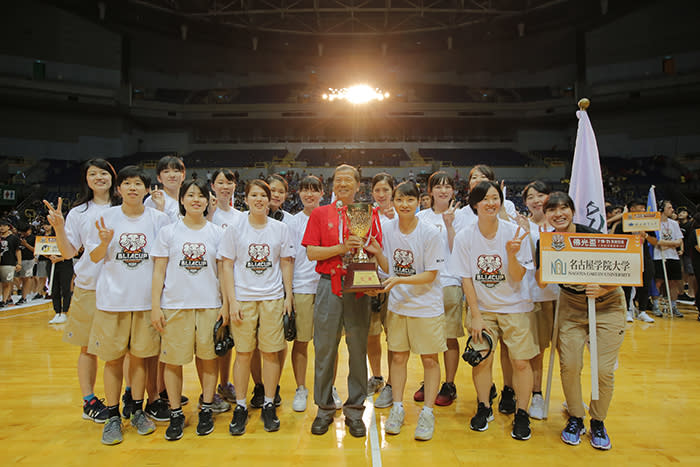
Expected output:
(565, 406)
(643, 316)
(425, 427)
(54, 319)
(385, 398)
(61, 318)
(393, 424)
(630, 316)
(337, 400)
(299, 404)
(537, 407)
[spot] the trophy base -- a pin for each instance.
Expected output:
(362, 277)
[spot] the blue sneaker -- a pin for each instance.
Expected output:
(599, 436)
(571, 434)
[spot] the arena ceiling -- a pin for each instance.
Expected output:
(355, 18)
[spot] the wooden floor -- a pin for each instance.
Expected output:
(653, 419)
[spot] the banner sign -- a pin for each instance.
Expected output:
(46, 246)
(578, 258)
(641, 221)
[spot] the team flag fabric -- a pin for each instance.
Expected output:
(586, 187)
(651, 207)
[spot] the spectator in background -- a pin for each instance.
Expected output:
(10, 261)
(26, 274)
(685, 222)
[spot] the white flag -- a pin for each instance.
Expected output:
(586, 188)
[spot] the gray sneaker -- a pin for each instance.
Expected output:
(143, 424)
(385, 399)
(374, 384)
(425, 427)
(112, 432)
(218, 405)
(393, 424)
(228, 392)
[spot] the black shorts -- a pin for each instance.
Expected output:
(673, 270)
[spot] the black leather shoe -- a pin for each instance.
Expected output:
(356, 427)
(320, 425)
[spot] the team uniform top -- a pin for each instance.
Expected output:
(549, 293)
(287, 217)
(305, 276)
(8, 250)
(171, 208)
(670, 230)
(485, 261)
(191, 279)
(429, 216)
(124, 284)
(225, 218)
(410, 254)
(80, 224)
(383, 220)
(256, 257)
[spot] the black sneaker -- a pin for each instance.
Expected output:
(269, 416)
(258, 399)
(447, 394)
(239, 421)
(521, 426)
(278, 398)
(127, 404)
(177, 424)
(507, 403)
(184, 400)
(95, 410)
(158, 410)
(480, 421)
(206, 422)
(21, 301)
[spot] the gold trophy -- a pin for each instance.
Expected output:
(362, 273)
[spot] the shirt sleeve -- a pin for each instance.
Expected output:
(524, 256)
(73, 230)
(287, 249)
(160, 246)
(227, 246)
(459, 263)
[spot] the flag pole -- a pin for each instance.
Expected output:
(583, 105)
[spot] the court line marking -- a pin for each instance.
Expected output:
(374, 436)
(23, 314)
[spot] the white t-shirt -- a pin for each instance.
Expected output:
(225, 218)
(549, 293)
(486, 263)
(171, 208)
(191, 279)
(429, 216)
(670, 230)
(124, 284)
(256, 257)
(305, 276)
(421, 250)
(80, 223)
(383, 220)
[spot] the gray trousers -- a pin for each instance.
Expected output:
(331, 314)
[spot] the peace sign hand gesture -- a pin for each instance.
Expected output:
(513, 246)
(55, 216)
(449, 216)
(104, 233)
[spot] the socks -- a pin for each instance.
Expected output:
(176, 412)
(207, 406)
(399, 405)
(138, 405)
(269, 400)
(534, 393)
(428, 410)
(88, 398)
(242, 403)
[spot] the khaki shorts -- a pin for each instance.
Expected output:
(454, 306)
(377, 319)
(423, 336)
(186, 333)
(80, 316)
(543, 323)
(113, 334)
(262, 326)
(304, 309)
(515, 329)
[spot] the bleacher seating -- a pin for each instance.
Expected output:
(469, 157)
(232, 157)
(358, 157)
